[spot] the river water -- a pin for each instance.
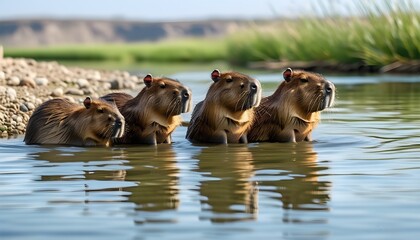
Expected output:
(360, 179)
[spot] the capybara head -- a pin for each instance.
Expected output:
(307, 91)
(166, 96)
(103, 119)
(234, 91)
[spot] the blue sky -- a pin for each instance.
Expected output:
(174, 10)
(161, 10)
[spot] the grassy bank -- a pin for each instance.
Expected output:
(186, 50)
(379, 35)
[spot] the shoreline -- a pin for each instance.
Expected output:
(410, 67)
(26, 83)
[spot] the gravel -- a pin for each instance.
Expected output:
(26, 83)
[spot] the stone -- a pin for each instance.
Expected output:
(3, 90)
(11, 93)
(58, 92)
(116, 84)
(21, 127)
(94, 75)
(38, 101)
(30, 106)
(106, 85)
(23, 108)
(129, 85)
(41, 81)
(71, 99)
(82, 83)
(13, 81)
(29, 82)
(74, 91)
(19, 119)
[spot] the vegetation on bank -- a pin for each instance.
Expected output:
(186, 50)
(380, 35)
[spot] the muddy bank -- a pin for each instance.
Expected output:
(26, 83)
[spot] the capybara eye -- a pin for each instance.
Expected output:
(100, 110)
(162, 86)
(304, 80)
(229, 80)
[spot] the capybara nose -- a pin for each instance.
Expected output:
(185, 94)
(329, 87)
(254, 87)
(118, 122)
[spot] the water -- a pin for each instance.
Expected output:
(358, 180)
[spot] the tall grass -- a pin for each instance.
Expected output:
(392, 33)
(380, 34)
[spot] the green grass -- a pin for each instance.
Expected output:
(380, 34)
(186, 50)
(389, 37)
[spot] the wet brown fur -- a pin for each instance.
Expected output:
(226, 113)
(292, 111)
(59, 121)
(153, 114)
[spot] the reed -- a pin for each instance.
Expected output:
(379, 34)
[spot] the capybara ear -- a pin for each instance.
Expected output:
(215, 75)
(87, 102)
(287, 74)
(148, 79)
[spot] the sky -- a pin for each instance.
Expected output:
(176, 10)
(162, 10)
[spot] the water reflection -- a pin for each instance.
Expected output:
(145, 176)
(290, 173)
(227, 192)
(62, 163)
(234, 177)
(156, 172)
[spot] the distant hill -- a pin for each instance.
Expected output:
(39, 32)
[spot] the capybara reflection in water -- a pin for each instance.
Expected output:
(226, 113)
(154, 113)
(59, 121)
(293, 110)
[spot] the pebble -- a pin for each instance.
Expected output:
(58, 92)
(75, 91)
(29, 82)
(82, 83)
(26, 84)
(41, 81)
(11, 93)
(116, 84)
(30, 106)
(13, 81)
(23, 108)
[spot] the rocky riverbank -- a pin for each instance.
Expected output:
(26, 83)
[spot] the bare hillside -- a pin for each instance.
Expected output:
(52, 32)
